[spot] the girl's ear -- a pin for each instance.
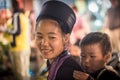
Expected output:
(66, 40)
(108, 57)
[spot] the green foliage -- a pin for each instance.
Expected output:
(4, 49)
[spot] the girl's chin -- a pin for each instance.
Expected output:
(48, 57)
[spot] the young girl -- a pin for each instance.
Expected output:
(95, 53)
(53, 28)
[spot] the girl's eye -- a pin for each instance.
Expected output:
(39, 37)
(52, 37)
(92, 56)
(82, 55)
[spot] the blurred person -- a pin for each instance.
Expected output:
(6, 23)
(114, 3)
(75, 52)
(6, 72)
(2, 25)
(52, 35)
(20, 44)
(95, 53)
(80, 28)
(32, 23)
(112, 28)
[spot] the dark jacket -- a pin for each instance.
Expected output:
(65, 72)
(105, 74)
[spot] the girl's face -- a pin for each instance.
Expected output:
(49, 39)
(92, 58)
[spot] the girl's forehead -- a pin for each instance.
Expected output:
(48, 27)
(50, 21)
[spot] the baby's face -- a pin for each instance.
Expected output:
(92, 58)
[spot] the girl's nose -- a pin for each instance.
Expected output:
(44, 42)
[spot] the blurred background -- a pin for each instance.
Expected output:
(90, 18)
(95, 9)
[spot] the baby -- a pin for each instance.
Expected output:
(95, 53)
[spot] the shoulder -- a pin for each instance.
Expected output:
(109, 74)
(65, 72)
(23, 16)
(71, 63)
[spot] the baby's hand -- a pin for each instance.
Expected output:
(78, 75)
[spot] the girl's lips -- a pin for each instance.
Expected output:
(46, 51)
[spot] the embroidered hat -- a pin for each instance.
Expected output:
(60, 12)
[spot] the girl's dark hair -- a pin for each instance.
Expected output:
(60, 12)
(97, 37)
